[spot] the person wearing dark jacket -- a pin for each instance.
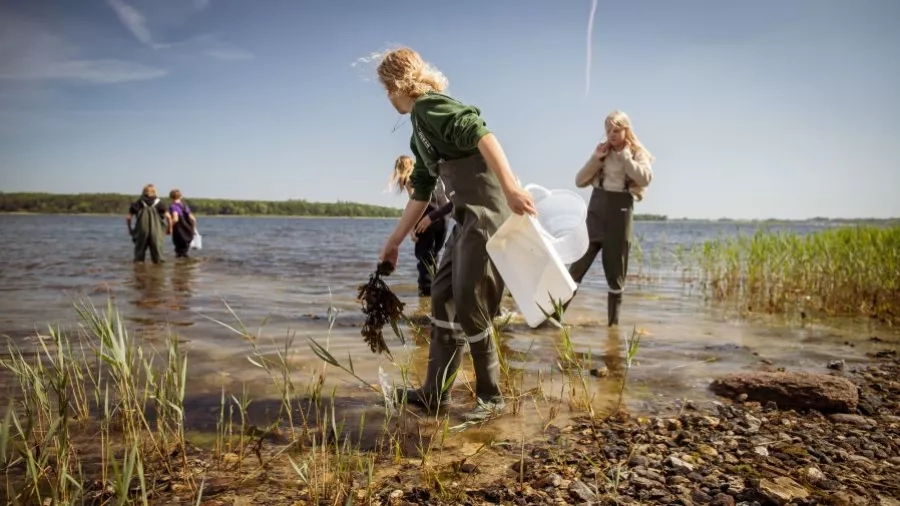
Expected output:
(431, 232)
(184, 224)
(153, 224)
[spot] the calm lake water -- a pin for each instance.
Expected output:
(280, 275)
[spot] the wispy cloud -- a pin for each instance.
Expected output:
(133, 20)
(90, 71)
(29, 51)
(136, 22)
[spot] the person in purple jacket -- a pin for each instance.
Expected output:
(184, 224)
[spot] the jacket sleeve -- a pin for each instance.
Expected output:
(423, 182)
(589, 171)
(637, 167)
(440, 212)
(456, 123)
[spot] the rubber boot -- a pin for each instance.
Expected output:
(489, 401)
(444, 357)
(613, 306)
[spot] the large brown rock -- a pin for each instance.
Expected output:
(792, 390)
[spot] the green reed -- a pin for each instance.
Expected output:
(845, 271)
(46, 432)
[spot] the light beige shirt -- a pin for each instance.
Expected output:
(613, 169)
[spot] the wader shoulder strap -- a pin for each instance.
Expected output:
(155, 202)
(600, 177)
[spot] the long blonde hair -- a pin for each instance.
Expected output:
(404, 71)
(400, 178)
(618, 119)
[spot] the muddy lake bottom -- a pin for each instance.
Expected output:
(293, 281)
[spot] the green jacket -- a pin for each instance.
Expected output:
(443, 129)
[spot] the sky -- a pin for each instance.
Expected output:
(769, 108)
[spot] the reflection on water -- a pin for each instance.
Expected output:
(281, 275)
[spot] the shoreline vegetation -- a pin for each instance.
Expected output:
(839, 271)
(114, 204)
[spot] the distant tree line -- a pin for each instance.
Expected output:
(650, 217)
(112, 203)
(115, 203)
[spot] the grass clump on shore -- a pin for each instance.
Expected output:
(843, 271)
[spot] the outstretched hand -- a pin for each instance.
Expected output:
(423, 225)
(389, 253)
(520, 202)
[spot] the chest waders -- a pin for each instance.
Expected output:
(466, 291)
(609, 223)
(183, 234)
(149, 233)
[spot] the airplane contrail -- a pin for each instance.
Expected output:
(590, 33)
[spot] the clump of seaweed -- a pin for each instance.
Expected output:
(381, 306)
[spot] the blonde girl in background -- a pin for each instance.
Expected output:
(619, 170)
(450, 140)
(431, 232)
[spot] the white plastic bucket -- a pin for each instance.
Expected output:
(197, 241)
(562, 215)
(529, 264)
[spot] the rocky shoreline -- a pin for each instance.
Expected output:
(737, 451)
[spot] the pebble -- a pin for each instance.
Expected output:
(582, 492)
(723, 500)
(753, 423)
(707, 451)
(638, 461)
(857, 420)
(678, 480)
(814, 475)
(782, 490)
(650, 474)
(644, 483)
(700, 497)
(735, 484)
(600, 372)
(680, 465)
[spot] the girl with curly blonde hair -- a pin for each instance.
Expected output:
(450, 140)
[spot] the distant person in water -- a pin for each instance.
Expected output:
(619, 170)
(184, 224)
(153, 224)
(431, 231)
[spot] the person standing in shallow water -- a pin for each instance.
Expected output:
(153, 224)
(431, 231)
(450, 140)
(619, 170)
(184, 224)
